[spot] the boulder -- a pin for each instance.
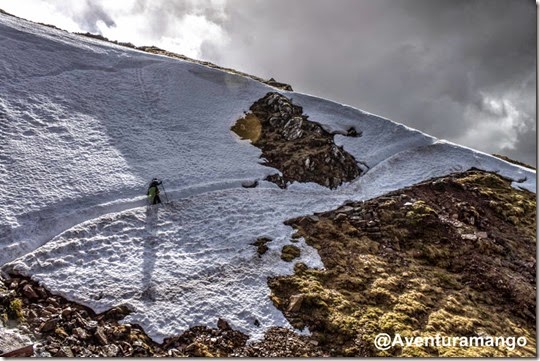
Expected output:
(66, 312)
(80, 333)
(29, 292)
(295, 303)
(100, 336)
(49, 325)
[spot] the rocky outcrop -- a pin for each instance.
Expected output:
(513, 161)
(299, 148)
(289, 252)
(260, 243)
(155, 50)
(453, 256)
(52, 326)
(65, 329)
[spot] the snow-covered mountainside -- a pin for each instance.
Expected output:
(84, 126)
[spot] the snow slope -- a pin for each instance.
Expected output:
(84, 125)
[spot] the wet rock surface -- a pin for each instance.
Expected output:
(299, 148)
(454, 256)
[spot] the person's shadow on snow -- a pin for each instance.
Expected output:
(152, 217)
(150, 244)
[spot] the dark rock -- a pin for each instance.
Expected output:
(295, 303)
(125, 349)
(301, 149)
(29, 292)
(197, 349)
(80, 333)
(49, 325)
(13, 283)
(64, 351)
(340, 217)
(223, 325)
(250, 184)
(345, 209)
(290, 252)
(53, 301)
(351, 132)
(373, 229)
(261, 245)
(100, 336)
(117, 313)
(278, 180)
(66, 312)
(42, 292)
(31, 314)
(293, 129)
(279, 85)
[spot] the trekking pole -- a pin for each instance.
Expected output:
(165, 193)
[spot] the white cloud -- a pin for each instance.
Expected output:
(391, 58)
(494, 126)
(42, 12)
(182, 27)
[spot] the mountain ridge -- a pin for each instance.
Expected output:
(89, 123)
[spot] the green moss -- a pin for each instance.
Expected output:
(420, 277)
(15, 309)
(248, 127)
(418, 212)
(290, 252)
(483, 179)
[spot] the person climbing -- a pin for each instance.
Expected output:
(153, 191)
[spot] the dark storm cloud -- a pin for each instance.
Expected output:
(462, 70)
(427, 63)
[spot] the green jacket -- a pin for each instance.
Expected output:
(152, 192)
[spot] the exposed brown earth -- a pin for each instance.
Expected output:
(455, 256)
(299, 148)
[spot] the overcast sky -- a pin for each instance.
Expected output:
(461, 70)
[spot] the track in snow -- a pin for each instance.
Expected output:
(39, 227)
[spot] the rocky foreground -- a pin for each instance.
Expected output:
(453, 256)
(60, 328)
